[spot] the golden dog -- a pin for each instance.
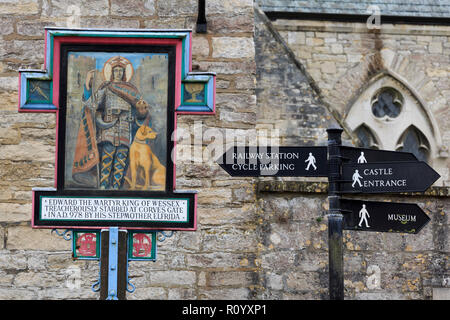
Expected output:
(142, 156)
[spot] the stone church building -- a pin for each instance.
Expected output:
(285, 70)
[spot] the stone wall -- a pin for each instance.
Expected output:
(345, 58)
(293, 229)
(386, 266)
(333, 61)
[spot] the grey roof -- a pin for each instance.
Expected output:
(415, 8)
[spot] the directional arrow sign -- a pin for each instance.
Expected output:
(389, 177)
(383, 216)
(275, 161)
(364, 155)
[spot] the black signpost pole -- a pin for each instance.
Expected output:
(335, 217)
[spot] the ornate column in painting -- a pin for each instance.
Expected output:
(116, 96)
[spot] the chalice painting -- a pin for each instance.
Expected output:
(194, 93)
(116, 121)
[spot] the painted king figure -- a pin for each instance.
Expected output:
(111, 114)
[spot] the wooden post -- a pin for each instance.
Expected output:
(113, 264)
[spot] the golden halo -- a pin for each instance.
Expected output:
(118, 61)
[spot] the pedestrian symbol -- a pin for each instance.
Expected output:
(363, 215)
(356, 176)
(362, 158)
(311, 162)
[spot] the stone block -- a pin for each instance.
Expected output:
(9, 83)
(213, 215)
(172, 278)
(14, 7)
(230, 6)
(279, 260)
(33, 27)
(237, 119)
(65, 8)
(140, 8)
(231, 23)
(231, 278)
(237, 102)
(200, 47)
(174, 8)
(314, 42)
(228, 239)
(225, 67)
(274, 281)
(9, 99)
(108, 22)
(82, 293)
(296, 38)
(14, 212)
(328, 67)
(338, 58)
(22, 50)
(435, 47)
(337, 48)
(35, 279)
(219, 260)
(29, 151)
(233, 47)
(174, 22)
(181, 294)
(148, 293)
(16, 261)
(424, 38)
(441, 293)
(244, 194)
(307, 208)
(6, 25)
(302, 281)
(246, 82)
(354, 58)
(9, 136)
(189, 241)
(224, 294)
(382, 295)
(17, 294)
(25, 238)
(214, 196)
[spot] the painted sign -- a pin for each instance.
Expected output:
(86, 244)
(142, 246)
(387, 177)
(116, 125)
(275, 161)
(362, 215)
(116, 94)
(175, 210)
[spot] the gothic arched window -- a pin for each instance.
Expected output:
(387, 115)
(412, 140)
(387, 103)
(366, 137)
